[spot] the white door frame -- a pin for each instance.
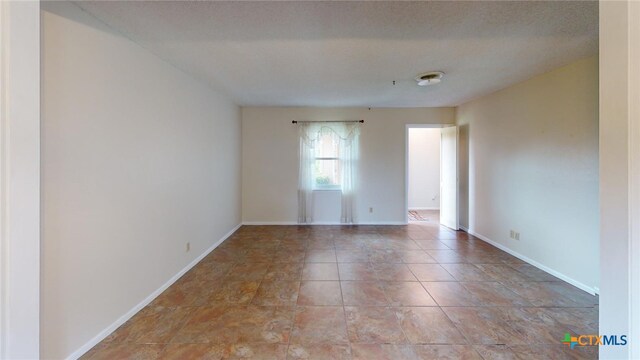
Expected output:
(20, 180)
(457, 169)
(406, 161)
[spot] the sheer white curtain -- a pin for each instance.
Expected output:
(305, 179)
(348, 154)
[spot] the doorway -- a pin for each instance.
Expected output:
(423, 175)
(431, 175)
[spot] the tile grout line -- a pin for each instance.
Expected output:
(344, 310)
(295, 305)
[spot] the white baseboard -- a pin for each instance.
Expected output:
(129, 314)
(323, 223)
(269, 223)
(424, 208)
(333, 223)
(382, 223)
(576, 283)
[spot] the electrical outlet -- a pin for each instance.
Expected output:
(517, 237)
(512, 234)
(188, 246)
(370, 209)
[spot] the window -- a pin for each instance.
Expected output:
(328, 161)
(326, 170)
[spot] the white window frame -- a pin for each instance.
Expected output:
(331, 187)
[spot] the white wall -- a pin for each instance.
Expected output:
(424, 168)
(618, 56)
(270, 159)
(19, 179)
(138, 159)
(327, 206)
(532, 157)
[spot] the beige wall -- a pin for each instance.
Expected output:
(424, 168)
(270, 159)
(531, 152)
(138, 159)
(634, 178)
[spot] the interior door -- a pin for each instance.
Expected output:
(449, 177)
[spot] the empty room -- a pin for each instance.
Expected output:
(319, 180)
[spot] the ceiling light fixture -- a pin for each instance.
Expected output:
(429, 78)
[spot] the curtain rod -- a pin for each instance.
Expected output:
(337, 121)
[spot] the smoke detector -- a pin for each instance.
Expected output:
(429, 78)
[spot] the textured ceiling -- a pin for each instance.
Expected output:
(349, 53)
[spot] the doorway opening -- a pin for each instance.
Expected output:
(431, 175)
(423, 169)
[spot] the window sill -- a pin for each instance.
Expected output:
(328, 189)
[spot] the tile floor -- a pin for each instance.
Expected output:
(418, 291)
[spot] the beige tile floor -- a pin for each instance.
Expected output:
(419, 291)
